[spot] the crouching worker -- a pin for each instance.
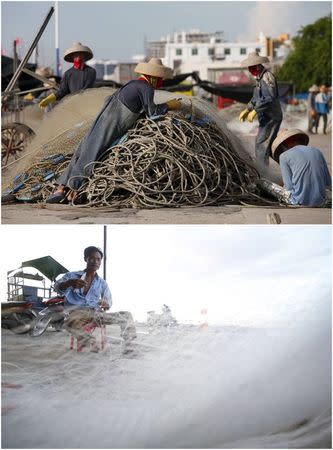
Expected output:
(304, 171)
(120, 112)
(87, 295)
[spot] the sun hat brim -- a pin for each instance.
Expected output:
(154, 70)
(78, 47)
(254, 60)
(284, 135)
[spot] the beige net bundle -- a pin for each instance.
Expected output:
(174, 161)
(60, 131)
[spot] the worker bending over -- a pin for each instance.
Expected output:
(120, 112)
(304, 170)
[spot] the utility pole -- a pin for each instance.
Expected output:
(104, 251)
(24, 61)
(58, 67)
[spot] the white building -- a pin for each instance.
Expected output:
(105, 68)
(205, 53)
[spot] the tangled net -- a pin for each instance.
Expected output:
(171, 162)
(168, 162)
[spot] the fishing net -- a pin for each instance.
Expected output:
(184, 159)
(60, 131)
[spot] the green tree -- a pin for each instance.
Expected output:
(310, 61)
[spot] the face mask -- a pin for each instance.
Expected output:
(156, 82)
(255, 70)
(78, 63)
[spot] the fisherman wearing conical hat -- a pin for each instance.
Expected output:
(322, 100)
(120, 112)
(264, 103)
(304, 170)
(311, 107)
(78, 77)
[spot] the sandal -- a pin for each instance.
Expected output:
(56, 197)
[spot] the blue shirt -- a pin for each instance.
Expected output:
(98, 290)
(322, 103)
(305, 175)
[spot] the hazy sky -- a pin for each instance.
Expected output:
(117, 30)
(242, 274)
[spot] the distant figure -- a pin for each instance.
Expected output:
(311, 107)
(86, 295)
(322, 106)
(119, 113)
(264, 103)
(304, 170)
(78, 77)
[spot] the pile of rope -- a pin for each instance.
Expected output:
(171, 162)
(166, 162)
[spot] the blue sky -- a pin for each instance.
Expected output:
(246, 275)
(117, 30)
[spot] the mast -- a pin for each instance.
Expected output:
(58, 67)
(104, 251)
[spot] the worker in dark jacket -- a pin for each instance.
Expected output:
(119, 113)
(78, 77)
(264, 103)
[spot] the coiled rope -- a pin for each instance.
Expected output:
(171, 162)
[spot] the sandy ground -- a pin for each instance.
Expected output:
(60, 214)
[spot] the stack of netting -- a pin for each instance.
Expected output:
(177, 160)
(59, 132)
(172, 161)
(36, 181)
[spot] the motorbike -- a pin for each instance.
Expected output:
(19, 317)
(52, 315)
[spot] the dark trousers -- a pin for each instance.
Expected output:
(269, 119)
(112, 122)
(324, 116)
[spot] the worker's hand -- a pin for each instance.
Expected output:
(251, 115)
(104, 304)
(313, 113)
(76, 283)
(49, 99)
(243, 114)
(174, 104)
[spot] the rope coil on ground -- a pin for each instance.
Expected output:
(171, 162)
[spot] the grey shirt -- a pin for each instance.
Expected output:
(265, 92)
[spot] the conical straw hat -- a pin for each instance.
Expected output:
(283, 135)
(77, 47)
(45, 72)
(314, 88)
(154, 68)
(253, 59)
